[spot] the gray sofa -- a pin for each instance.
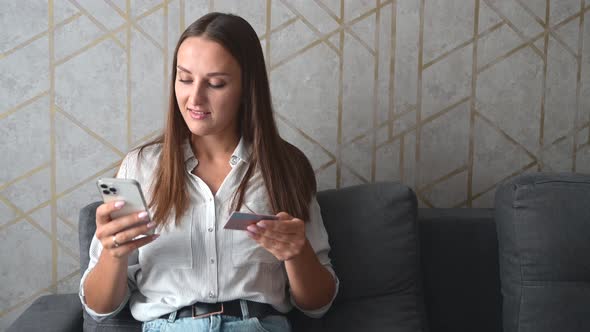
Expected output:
(522, 266)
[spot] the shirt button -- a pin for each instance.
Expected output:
(211, 294)
(210, 229)
(234, 160)
(212, 261)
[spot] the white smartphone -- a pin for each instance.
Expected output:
(128, 190)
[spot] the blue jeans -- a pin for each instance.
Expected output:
(219, 323)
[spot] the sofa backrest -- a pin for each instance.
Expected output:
(459, 253)
(543, 224)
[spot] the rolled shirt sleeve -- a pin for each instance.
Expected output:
(96, 250)
(318, 238)
(133, 267)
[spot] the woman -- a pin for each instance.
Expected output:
(220, 152)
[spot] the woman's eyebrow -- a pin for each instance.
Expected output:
(183, 69)
(216, 73)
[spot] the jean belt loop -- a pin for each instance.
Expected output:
(244, 307)
(172, 317)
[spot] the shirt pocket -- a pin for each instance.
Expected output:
(246, 251)
(173, 249)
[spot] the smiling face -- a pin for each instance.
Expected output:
(208, 87)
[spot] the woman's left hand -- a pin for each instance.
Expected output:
(284, 238)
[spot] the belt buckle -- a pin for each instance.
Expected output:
(195, 316)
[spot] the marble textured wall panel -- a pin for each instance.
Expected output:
(451, 97)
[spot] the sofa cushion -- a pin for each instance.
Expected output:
(459, 251)
(378, 313)
(122, 322)
(543, 223)
(374, 239)
(52, 313)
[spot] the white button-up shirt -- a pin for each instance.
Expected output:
(199, 260)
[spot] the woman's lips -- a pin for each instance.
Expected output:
(198, 115)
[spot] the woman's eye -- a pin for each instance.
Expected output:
(217, 85)
(185, 81)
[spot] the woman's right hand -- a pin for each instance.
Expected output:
(116, 235)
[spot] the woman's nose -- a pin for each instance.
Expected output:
(198, 95)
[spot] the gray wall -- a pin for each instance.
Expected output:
(448, 96)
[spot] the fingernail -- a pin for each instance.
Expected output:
(142, 215)
(151, 224)
(261, 224)
(119, 204)
(252, 229)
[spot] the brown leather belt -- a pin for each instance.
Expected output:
(229, 308)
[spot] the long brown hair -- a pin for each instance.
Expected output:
(287, 173)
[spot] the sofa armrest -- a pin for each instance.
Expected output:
(59, 313)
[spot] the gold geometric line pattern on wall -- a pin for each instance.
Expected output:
(8, 112)
(472, 103)
(544, 95)
(127, 17)
(578, 85)
(419, 103)
(338, 165)
(392, 52)
(369, 90)
(54, 242)
(375, 91)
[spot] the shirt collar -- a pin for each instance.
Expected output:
(242, 152)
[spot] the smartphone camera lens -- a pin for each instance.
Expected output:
(113, 190)
(104, 186)
(106, 192)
